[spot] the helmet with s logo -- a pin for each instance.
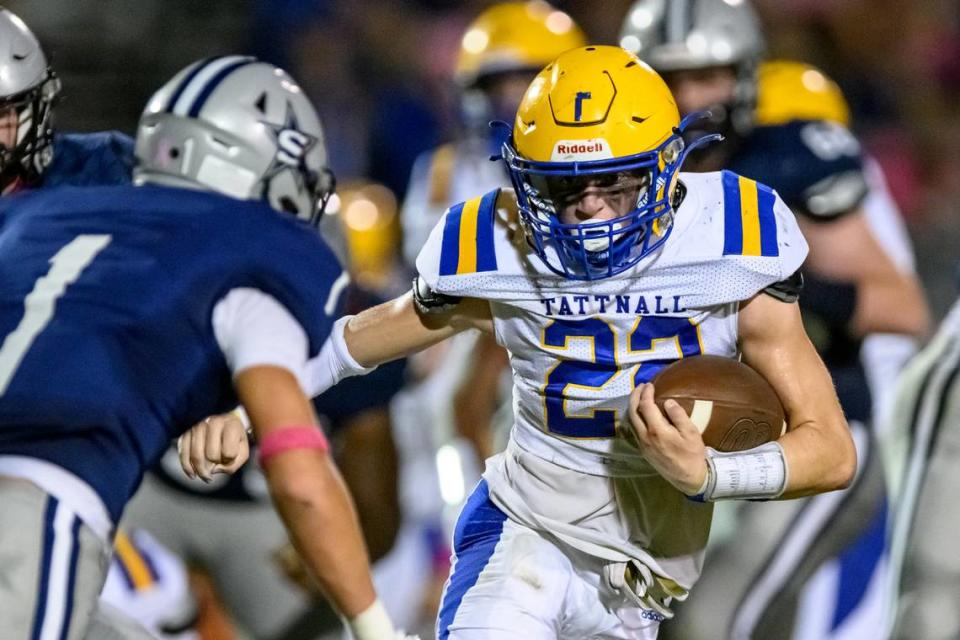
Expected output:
(240, 127)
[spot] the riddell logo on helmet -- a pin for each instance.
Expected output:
(571, 150)
(580, 147)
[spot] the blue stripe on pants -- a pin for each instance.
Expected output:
(477, 534)
(71, 576)
(58, 572)
(44, 577)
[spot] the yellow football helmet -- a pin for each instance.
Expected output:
(596, 117)
(515, 36)
(789, 90)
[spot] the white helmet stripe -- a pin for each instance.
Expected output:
(200, 79)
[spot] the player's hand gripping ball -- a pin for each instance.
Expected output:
(732, 405)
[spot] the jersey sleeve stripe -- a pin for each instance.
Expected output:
(468, 237)
(486, 253)
(766, 199)
(749, 217)
(467, 245)
(450, 246)
(732, 220)
(750, 225)
(133, 564)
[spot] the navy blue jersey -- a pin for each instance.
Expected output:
(815, 166)
(90, 159)
(335, 408)
(113, 353)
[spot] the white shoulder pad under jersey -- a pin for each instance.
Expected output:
(732, 238)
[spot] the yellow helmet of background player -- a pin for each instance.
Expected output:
(596, 117)
(515, 36)
(789, 90)
(367, 215)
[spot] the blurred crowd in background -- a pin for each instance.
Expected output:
(380, 72)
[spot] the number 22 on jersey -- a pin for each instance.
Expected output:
(588, 377)
(38, 307)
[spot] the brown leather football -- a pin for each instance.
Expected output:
(734, 407)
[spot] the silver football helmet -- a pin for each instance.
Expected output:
(28, 89)
(680, 35)
(240, 127)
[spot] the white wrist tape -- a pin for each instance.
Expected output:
(334, 363)
(372, 624)
(760, 472)
(244, 419)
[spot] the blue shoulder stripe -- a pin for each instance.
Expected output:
(486, 253)
(749, 222)
(768, 221)
(467, 245)
(450, 248)
(732, 227)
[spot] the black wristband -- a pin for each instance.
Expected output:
(429, 301)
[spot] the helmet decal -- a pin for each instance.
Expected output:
(293, 145)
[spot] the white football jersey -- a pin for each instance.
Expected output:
(577, 348)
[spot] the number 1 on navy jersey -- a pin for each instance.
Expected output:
(39, 305)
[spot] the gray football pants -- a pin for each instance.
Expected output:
(52, 568)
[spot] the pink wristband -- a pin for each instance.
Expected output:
(287, 438)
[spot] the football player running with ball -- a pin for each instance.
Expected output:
(603, 266)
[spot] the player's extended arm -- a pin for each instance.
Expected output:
(311, 498)
(396, 329)
(887, 300)
(376, 335)
(818, 448)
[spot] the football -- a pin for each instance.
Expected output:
(734, 407)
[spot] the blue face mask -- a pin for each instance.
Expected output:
(592, 250)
